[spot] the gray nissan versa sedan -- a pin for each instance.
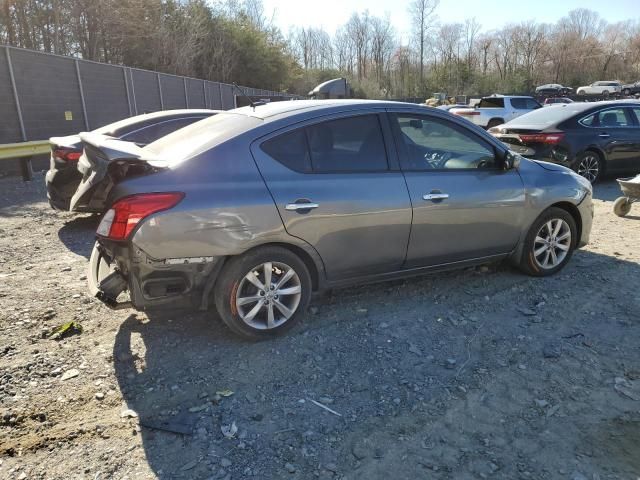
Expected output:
(257, 208)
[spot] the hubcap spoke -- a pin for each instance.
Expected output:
(246, 300)
(254, 311)
(563, 247)
(558, 227)
(285, 278)
(540, 250)
(253, 278)
(271, 322)
(268, 268)
(286, 311)
(289, 291)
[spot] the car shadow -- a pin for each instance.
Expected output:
(77, 234)
(189, 379)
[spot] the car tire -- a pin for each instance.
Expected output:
(581, 93)
(589, 165)
(626, 92)
(547, 249)
(622, 206)
(253, 309)
(605, 93)
(494, 122)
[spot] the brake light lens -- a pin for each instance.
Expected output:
(128, 212)
(67, 154)
(546, 138)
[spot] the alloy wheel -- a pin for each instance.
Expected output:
(268, 295)
(552, 243)
(589, 167)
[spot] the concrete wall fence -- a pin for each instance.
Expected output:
(44, 95)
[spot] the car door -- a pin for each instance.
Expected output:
(465, 206)
(337, 185)
(613, 129)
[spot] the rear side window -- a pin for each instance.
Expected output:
(353, 144)
(611, 118)
(347, 145)
(519, 103)
(491, 102)
(531, 104)
(290, 149)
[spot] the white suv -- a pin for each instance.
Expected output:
(605, 88)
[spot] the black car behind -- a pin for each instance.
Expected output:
(590, 138)
(63, 177)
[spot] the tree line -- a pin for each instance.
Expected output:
(235, 40)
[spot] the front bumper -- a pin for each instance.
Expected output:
(182, 283)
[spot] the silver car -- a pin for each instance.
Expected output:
(255, 209)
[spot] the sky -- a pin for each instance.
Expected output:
(491, 14)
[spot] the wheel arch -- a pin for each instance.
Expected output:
(572, 210)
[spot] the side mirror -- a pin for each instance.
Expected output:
(510, 161)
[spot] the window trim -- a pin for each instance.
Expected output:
(624, 108)
(402, 148)
(393, 163)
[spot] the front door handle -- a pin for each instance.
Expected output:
(435, 196)
(295, 207)
(604, 135)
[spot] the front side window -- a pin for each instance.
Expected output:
(437, 144)
(611, 118)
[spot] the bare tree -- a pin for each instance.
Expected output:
(422, 14)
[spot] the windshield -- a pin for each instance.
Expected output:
(199, 137)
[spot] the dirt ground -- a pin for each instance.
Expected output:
(480, 373)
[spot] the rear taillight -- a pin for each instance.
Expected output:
(126, 213)
(67, 154)
(547, 138)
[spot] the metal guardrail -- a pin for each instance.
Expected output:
(24, 151)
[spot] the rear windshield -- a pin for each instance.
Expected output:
(491, 102)
(545, 117)
(199, 137)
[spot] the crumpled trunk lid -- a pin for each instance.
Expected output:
(105, 162)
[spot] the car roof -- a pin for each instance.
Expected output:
(287, 108)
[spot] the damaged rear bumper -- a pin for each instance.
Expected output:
(184, 283)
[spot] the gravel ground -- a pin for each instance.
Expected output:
(480, 373)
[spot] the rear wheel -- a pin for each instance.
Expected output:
(605, 93)
(589, 165)
(263, 292)
(494, 122)
(549, 243)
(621, 206)
(626, 92)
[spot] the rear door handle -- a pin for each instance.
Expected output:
(604, 135)
(301, 206)
(435, 196)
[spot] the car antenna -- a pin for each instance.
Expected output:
(251, 102)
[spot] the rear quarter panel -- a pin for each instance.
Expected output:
(227, 208)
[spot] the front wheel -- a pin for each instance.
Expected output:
(622, 206)
(263, 292)
(549, 243)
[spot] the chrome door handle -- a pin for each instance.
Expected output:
(604, 135)
(435, 196)
(301, 206)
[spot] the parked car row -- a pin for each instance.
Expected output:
(590, 138)
(601, 88)
(66, 173)
(255, 209)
